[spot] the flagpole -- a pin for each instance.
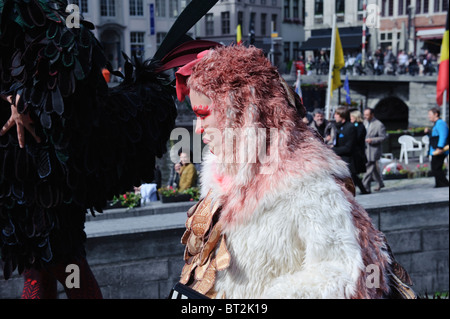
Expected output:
(331, 67)
(444, 106)
(364, 27)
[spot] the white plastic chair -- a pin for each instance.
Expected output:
(410, 144)
(426, 145)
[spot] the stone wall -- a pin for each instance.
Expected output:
(418, 236)
(145, 264)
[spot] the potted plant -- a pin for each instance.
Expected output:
(172, 195)
(395, 171)
(129, 200)
(422, 170)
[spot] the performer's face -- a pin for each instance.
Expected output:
(206, 119)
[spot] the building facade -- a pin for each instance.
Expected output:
(130, 26)
(410, 25)
(258, 20)
(292, 31)
(349, 20)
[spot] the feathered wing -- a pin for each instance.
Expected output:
(96, 141)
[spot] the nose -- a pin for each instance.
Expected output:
(198, 127)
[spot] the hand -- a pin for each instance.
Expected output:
(369, 141)
(7, 98)
(22, 121)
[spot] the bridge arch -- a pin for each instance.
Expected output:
(393, 112)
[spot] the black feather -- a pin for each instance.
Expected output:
(96, 141)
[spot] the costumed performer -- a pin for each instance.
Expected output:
(69, 142)
(279, 220)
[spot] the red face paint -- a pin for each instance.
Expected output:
(201, 111)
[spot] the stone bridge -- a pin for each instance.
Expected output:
(399, 101)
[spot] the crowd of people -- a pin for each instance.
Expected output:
(358, 139)
(377, 63)
(358, 142)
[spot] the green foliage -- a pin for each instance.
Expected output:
(129, 200)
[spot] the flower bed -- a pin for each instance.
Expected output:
(129, 200)
(172, 195)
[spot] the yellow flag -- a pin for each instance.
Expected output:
(339, 63)
(239, 34)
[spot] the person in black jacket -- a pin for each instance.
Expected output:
(346, 141)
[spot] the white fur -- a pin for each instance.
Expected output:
(300, 242)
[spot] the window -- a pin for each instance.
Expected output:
(184, 4)
(296, 50)
(287, 9)
(252, 22)
(137, 43)
(159, 38)
(263, 23)
(361, 10)
(274, 21)
(391, 8)
(287, 51)
(295, 11)
(160, 8)
(241, 19)
(136, 8)
(209, 24)
(82, 5)
(440, 5)
(173, 8)
(318, 7)
(360, 5)
(225, 18)
(401, 9)
(418, 6)
(340, 6)
(108, 8)
(422, 6)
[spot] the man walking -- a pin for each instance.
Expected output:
(438, 140)
(346, 141)
(376, 133)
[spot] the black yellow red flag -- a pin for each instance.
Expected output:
(442, 82)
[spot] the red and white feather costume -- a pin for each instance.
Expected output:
(291, 227)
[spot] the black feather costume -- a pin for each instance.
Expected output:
(96, 142)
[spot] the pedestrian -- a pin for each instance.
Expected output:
(188, 173)
(438, 141)
(346, 143)
(319, 122)
(174, 177)
(376, 134)
(402, 62)
(359, 154)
